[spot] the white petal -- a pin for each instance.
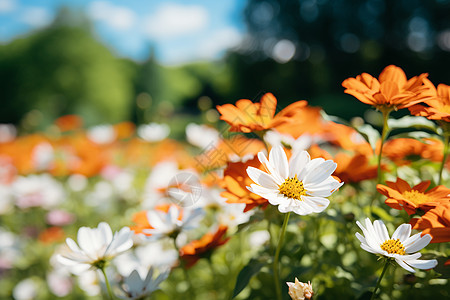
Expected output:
(423, 264)
(321, 172)
(298, 161)
(262, 178)
(381, 230)
(87, 242)
(278, 159)
(404, 266)
(263, 159)
(369, 249)
(418, 244)
(402, 232)
(106, 232)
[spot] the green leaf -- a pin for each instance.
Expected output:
(247, 272)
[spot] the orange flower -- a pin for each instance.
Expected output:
(401, 195)
(203, 247)
(435, 222)
(52, 235)
(354, 168)
(69, 122)
(124, 130)
(438, 107)
(392, 90)
(403, 151)
(235, 181)
(233, 149)
(247, 116)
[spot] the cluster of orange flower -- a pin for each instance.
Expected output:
(391, 91)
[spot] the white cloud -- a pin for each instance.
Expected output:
(173, 20)
(36, 16)
(7, 6)
(218, 42)
(117, 17)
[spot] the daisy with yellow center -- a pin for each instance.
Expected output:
(400, 195)
(401, 247)
(300, 185)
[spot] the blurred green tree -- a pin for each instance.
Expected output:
(60, 70)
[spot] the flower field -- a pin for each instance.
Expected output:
(268, 203)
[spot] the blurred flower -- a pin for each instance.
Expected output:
(203, 247)
(299, 185)
(401, 247)
(258, 238)
(300, 290)
(275, 138)
(102, 134)
(43, 156)
(37, 191)
(202, 136)
(233, 214)
(435, 222)
(235, 181)
(392, 90)
(52, 235)
(8, 171)
(354, 168)
(137, 288)
(153, 132)
(10, 249)
(163, 256)
(247, 116)
(89, 282)
(171, 222)
(124, 130)
(438, 107)
(237, 148)
(402, 196)
(8, 133)
(59, 282)
(26, 289)
(69, 122)
(96, 246)
(59, 217)
(403, 151)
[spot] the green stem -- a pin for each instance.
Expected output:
(386, 265)
(108, 286)
(384, 134)
(276, 275)
(444, 159)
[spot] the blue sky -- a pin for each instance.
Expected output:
(179, 30)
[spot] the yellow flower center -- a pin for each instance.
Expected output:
(292, 188)
(393, 247)
(416, 197)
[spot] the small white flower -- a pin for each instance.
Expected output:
(401, 247)
(42, 156)
(102, 134)
(153, 132)
(202, 136)
(8, 133)
(173, 222)
(96, 246)
(275, 138)
(136, 288)
(300, 290)
(37, 190)
(299, 185)
(27, 289)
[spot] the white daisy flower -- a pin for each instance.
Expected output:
(96, 246)
(299, 185)
(173, 222)
(401, 247)
(135, 287)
